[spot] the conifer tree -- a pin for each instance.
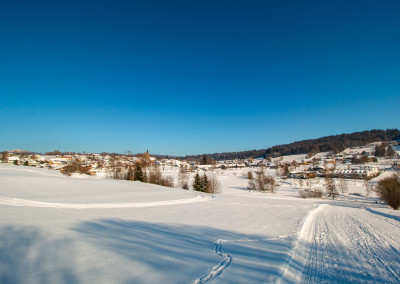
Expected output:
(390, 152)
(197, 182)
(138, 173)
(203, 160)
(204, 183)
(131, 173)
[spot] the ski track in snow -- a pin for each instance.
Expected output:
(219, 268)
(30, 203)
(345, 245)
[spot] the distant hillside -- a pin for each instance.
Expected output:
(334, 143)
(17, 151)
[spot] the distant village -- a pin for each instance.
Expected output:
(357, 163)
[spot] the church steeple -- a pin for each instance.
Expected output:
(147, 155)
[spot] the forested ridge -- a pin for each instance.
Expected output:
(334, 143)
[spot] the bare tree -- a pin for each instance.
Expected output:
(214, 185)
(330, 186)
(354, 176)
(183, 178)
(100, 164)
(364, 159)
(309, 191)
(284, 169)
(368, 186)
(342, 184)
(75, 166)
(390, 152)
(251, 185)
(309, 182)
(144, 160)
(313, 193)
(294, 164)
(278, 171)
(116, 168)
(155, 175)
(167, 181)
(4, 156)
(301, 184)
(261, 182)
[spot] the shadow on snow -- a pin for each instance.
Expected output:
(170, 253)
(182, 253)
(393, 217)
(27, 256)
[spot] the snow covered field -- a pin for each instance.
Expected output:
(55, 229)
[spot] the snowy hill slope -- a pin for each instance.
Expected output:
(55, 229)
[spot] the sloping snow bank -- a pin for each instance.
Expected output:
(30, 203)
(130, 232)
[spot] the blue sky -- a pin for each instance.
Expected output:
(190, 77)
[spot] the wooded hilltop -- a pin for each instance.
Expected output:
(333, 143)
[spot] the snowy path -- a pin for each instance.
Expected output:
(30, 203)
(345, 245)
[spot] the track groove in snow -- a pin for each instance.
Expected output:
(219, 268)
(30, 203)
(343, 244)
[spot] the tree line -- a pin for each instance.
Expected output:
(333, 143)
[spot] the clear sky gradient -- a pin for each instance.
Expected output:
(190, 77)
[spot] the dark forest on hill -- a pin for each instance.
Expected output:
(334, 143)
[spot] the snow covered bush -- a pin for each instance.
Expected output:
(388, 190)
(309, 190)
(75, 166)
(311, 193)
(213, 186)
(155, 177)
(167, 181)
(261, 182)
